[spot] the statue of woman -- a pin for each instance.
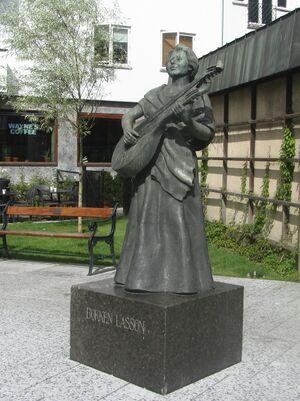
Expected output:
(165, 248)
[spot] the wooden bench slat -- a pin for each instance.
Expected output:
(59, 211)
(45, 234)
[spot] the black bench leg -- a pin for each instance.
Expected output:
(91, 245)
(5, 247)
(112, 251)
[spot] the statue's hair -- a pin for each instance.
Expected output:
(191, 56)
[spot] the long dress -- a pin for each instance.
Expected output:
(165, 248)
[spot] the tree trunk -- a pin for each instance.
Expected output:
(81, 176)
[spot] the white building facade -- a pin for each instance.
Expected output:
(138, 48)
(206, 25)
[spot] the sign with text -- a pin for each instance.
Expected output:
(22, 128)
(129, 323)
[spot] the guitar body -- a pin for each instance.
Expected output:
(129, 161)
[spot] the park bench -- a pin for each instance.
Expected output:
(93, 236)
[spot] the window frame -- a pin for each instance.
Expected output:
(53, 162)
(110, 61)
(178, 34)
(3, 34)
(3, 74)
(260, 15)
(281, 7)
(3, 37)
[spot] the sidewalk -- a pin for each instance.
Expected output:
(34, 343)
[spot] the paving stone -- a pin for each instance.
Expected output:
(78, 383)
(34, 343)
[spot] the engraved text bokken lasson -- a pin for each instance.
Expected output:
(122, 322)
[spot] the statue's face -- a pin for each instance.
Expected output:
(177, 65)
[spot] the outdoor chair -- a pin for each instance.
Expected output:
(45, 196)
(70, 198)
(29, 198)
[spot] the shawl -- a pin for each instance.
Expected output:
(174, 164)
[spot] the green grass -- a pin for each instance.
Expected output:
(228, 263)
(223, 261)
(65, 250)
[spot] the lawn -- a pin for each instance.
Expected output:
(65, 250)
(223, 261)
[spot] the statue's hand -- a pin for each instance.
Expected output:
(183, 113)
(131, 137)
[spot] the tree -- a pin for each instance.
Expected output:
(61, 74)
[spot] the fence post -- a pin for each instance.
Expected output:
(288, 110)
(298, 248)
(225, 155)
(252, 152)
(285, 223)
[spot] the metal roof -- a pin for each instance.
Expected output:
(272, 49)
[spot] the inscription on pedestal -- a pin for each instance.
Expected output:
(122, 322)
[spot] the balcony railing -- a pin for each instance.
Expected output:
(260, 14)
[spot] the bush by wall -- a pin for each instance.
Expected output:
(244, 240)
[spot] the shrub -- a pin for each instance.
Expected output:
(113, 188)
(245, 240)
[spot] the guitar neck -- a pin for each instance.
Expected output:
(164, 112)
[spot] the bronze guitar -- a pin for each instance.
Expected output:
(128, 161)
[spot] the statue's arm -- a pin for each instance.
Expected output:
(130, 136)
(200, 131)
(199, 125)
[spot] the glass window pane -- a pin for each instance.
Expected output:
(169, 43)
(104, 135)
(186, 40)
(101, 42)
(120, 35)
(252, 10)
(281, 3)
(120, 45)
(21, 140)
(266, 11)
(12, 5)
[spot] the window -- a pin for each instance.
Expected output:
(259, 12)
(281, 3)
(23, 141)
(171, 39)
(104, 135)
(111, 44)
(266, 11)
(5, 5)
(3, 76)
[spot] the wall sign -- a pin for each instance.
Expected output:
(22, 129)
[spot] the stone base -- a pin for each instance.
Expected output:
(157, 341)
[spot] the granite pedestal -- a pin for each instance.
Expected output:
(160, 342)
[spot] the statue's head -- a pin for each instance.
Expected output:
(191, 60)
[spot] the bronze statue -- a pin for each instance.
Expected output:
(165, 247)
